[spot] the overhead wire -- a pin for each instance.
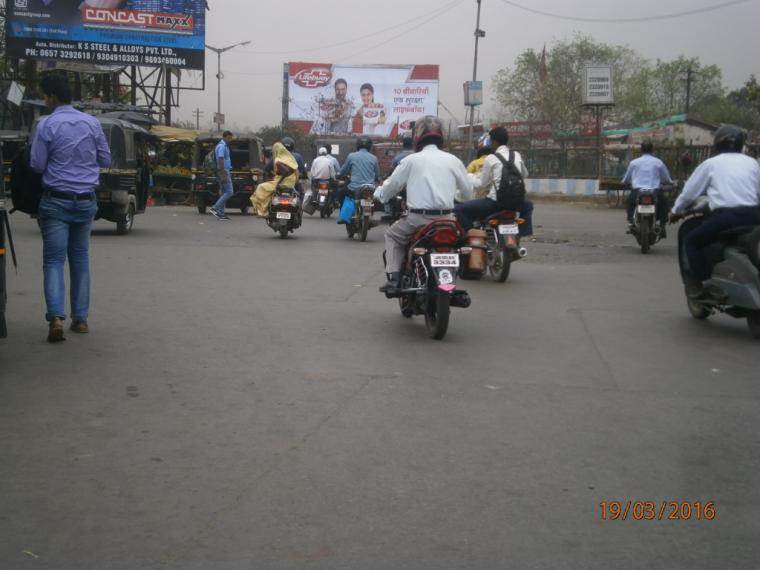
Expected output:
(443, 8)
(671, 16)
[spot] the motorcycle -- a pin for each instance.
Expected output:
(284, 212)
(321, 197)
(734, 284)
(646, 229)
(396, 208)
(361, 221)
(428, 277)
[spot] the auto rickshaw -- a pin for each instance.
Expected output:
(13, 142)
(172, 170)
(247, 156)
(123, 189)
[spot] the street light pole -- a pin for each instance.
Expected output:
(478, 34)
(219, 52)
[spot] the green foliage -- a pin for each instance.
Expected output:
(273, 134)
(644, 90)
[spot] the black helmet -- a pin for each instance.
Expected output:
(364, 142)
(428, 130)
(407, 141)
(730, 138)
(288, 143)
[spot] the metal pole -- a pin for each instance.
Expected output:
(599, 149)
(219, 88)
(689, 74)
(474, 78)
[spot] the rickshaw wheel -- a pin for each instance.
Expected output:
(124, 225)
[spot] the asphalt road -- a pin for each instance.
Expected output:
(245, 402)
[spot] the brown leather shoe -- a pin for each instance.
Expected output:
(55, 330)
(79, 327)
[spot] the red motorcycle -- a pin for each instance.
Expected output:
(428, 277)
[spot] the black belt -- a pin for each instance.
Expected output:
(430, 212)
(73, 196)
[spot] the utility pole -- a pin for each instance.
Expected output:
(689, 79)
(219, 52)
(478, 34)
(198, 114)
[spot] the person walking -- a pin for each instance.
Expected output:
(69, 149)
(223, 174)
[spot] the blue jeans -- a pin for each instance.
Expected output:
(65, 227)
(225, 187)
(468, 212)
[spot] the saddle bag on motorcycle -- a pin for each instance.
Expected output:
(510, 194)
(26, 185)
(476, 261)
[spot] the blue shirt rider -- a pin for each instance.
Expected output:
(362, 166)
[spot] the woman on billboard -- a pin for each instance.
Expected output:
(373, 115)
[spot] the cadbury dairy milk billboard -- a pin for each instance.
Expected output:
(374, 100)
(108, 32)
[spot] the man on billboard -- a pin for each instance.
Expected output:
(334, 114)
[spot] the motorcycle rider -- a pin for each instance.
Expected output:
(488, 179)
(290, 144)
(407, 144)
(322, 169)
(731, 180)
(362, 167)
(647, 173)
(432, 178)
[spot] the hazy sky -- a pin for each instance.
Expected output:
(252, 86)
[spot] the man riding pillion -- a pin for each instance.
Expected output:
(432, 178)
(731, 181)
(322, 169)
(362, 167)
(647, 173)
(488, 179)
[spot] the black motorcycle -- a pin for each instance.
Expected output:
(284, 211)
(734, 284)
(429, 274)
(646, 229)
(361, 221)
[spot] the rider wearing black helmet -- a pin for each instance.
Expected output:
(290, 144)
(361, 166)
(731, 181)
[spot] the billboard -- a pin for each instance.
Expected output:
(108, 32)
(375, 100)
(597, 85)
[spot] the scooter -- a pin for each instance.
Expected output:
(284, 212)
(734, 284)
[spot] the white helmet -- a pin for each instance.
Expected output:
(322, 151)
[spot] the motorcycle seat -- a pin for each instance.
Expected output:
(736, 232)
(503, 216)
(436, 225)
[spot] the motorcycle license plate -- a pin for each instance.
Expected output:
(367, 203)
(646, 209)
(509, 230)
(444, 260)
(283, 215)
(322, 199)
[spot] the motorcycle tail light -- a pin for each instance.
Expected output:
(647, 200)
(493, 223)
(445, 236)
(323, 185)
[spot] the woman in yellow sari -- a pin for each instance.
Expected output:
(285, 175)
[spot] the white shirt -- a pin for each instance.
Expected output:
(646, 173)
(322, 168)
(730, 180)
(489, 176)
(432, 178)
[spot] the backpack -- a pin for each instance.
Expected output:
(510, 195)
(26, 184)
(209, 162)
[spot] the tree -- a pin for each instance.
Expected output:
(273, 134)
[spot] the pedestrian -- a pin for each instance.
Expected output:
(223, 175)
(69, 149)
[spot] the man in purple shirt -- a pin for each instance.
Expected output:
(68, 148)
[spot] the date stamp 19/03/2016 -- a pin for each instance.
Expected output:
(658, 510)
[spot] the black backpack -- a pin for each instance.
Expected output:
(510, 194)
(26, 184)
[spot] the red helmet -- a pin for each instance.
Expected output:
(428, 130)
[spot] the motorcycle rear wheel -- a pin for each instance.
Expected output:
(753, 322)
(365, 229)
(499, 265)
(283, 232)
(645, 230)
(437, 316)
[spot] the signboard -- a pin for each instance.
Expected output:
(528, 130)
(219, 118)
(473, 93)
(108, 32)
(597, 87)
(374, 100)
